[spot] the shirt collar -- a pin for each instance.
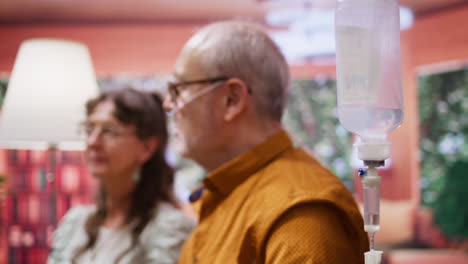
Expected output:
(227, 177)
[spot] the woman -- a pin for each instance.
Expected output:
(135, 219)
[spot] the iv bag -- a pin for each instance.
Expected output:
(370, 100)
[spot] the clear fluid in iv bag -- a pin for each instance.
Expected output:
(370, 122)
(370, 97)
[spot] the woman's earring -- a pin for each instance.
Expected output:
(136, 176)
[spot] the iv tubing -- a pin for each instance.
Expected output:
(371, 184)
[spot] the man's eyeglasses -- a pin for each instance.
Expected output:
(175, 90)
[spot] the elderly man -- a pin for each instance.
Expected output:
(264, 201)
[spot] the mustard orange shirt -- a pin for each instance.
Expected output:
(275, 204)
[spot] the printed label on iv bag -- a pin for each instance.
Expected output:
(357, 65)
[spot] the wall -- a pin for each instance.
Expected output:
(440, 37)
(132, 49)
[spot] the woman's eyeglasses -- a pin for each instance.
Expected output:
(107, 132)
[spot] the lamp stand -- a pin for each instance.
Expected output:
(51, 179)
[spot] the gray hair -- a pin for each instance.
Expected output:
(245, 51)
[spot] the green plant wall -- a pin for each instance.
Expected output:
(443, 113)
(311, 117)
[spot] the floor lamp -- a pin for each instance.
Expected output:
(44, 103)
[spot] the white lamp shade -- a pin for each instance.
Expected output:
(46, 95)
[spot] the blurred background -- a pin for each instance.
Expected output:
(424, 207)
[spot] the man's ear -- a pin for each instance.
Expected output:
(150, 145)
(236, 98)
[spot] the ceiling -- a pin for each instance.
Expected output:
(168, 11)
